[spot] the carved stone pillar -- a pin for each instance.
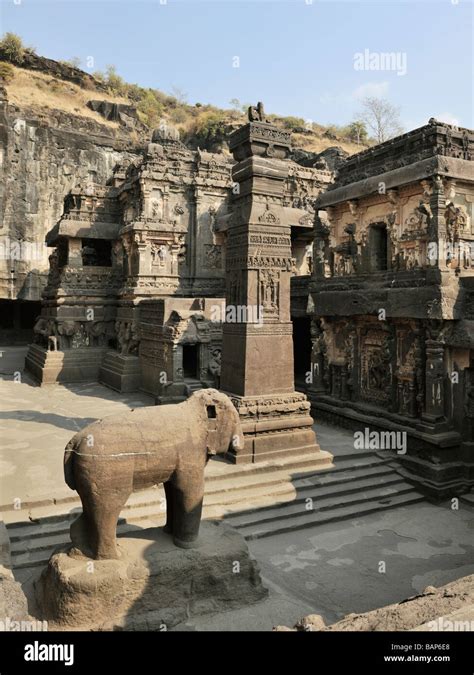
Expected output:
(434, 388)
(257, 354)
(437, 226)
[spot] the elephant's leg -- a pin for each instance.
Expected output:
(189, 493)
(106, 547)
(103, 515)
(83, 531)
(79, 533)
(170, 506)
(106, 527)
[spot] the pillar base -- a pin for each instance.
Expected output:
(274, 426)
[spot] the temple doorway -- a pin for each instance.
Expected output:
(378, 244)
(301, 350)
(191, 361)
(17, 319)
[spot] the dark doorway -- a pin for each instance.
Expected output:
(17, 319)
(378, 242)
(301, 350)
(96, 253)
(190, 361)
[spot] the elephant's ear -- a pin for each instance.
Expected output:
(212, 441)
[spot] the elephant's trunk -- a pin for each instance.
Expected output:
(69, 467)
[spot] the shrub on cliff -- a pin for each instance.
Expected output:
(209, 132)
(296, 124)
(12, 47)
(150, 108)
(7, 72)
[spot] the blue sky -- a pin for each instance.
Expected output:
(295, 55)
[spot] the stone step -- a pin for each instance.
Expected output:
(356, 464)
(38, 555)
(146, 504)
(217, 491)
(219, 471)
(32, 545)
(135, 512)
(323, 499)
(344, 487)
(468, 498)
(315, 518)
(220, 491)
(259, 494)
(345, 475)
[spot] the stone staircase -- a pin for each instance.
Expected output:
(192, 385)
(355, 487)
(259, 500)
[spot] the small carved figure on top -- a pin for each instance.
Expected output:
(257, 114)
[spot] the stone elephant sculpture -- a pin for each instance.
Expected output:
(169, 444)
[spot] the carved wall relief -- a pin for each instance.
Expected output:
(213, 256)
(127, 337)
(376, 366)
(269, 292)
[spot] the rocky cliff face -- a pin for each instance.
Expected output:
(43, 154)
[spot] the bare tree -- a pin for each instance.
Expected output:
(381, 117)
(179, 94)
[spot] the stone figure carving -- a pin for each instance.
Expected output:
(159, 253)
(127, 337)
(66, 330)
(456, 221)
(169, 444)
(257, 113)
(215, 365)
(213, 256)
(419, 218)
(45, 333)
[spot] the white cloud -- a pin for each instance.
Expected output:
(448, 118)
(376, 89)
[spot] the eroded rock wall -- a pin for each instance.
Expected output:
(42, 156)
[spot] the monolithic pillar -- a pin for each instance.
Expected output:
(257, 355)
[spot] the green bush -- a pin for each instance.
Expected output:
(151, 110)
(7, 72)
(13, 48)
(209, 132)
(179, 115)
(293, 123)
(114, 82)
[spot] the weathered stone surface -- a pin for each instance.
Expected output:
(148, 251)
(5, 551)
(44, 157)
(418, 612)
(117, 112)
(110, 458)
(257, 352)
(330, 159)
(13, 602)
(391, 284)
(312, 622)
(61, 70)
(154, 585)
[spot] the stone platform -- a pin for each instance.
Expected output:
(154, 584)
(121, 373)
(75, 365)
